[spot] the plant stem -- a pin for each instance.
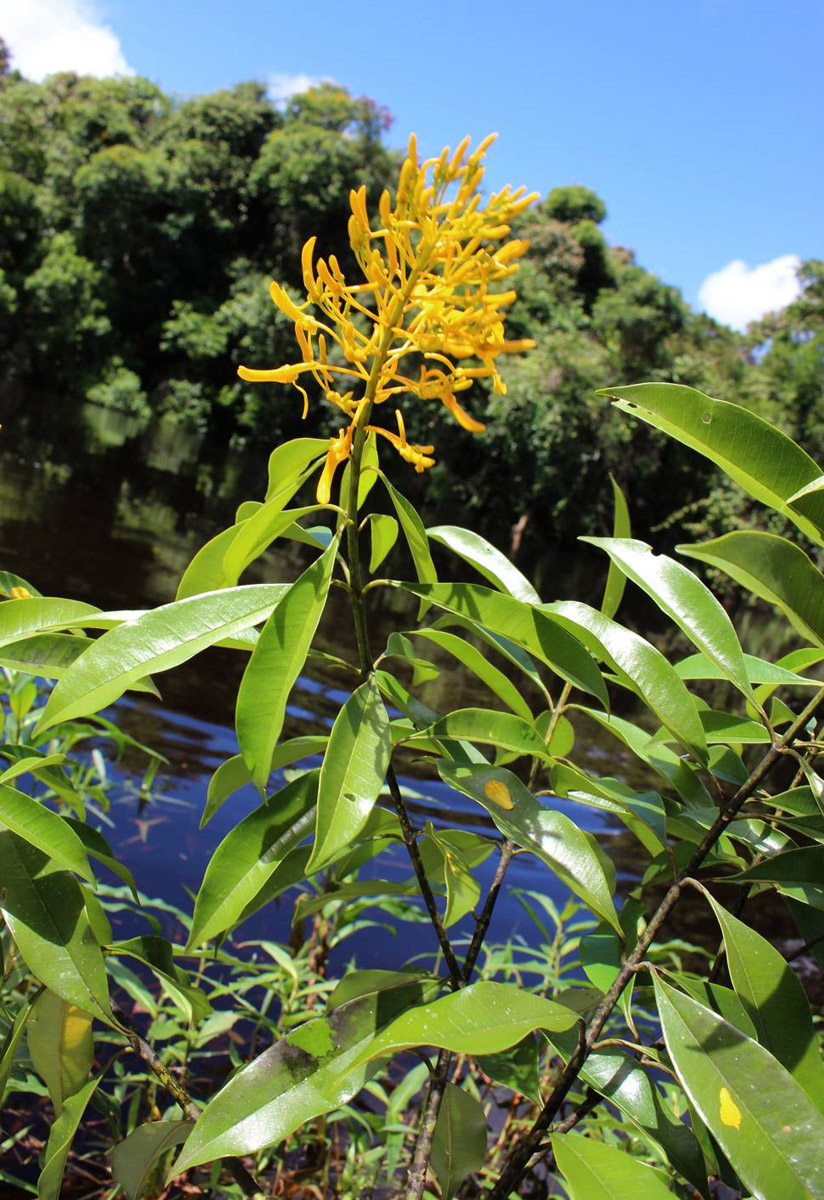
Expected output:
(519, 1160)
(245, 1181)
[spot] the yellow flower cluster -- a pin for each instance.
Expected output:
(428, 301)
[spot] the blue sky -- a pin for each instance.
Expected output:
(698, 121)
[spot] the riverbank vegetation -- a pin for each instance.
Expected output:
(140, 230)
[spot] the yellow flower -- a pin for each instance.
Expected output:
(427, 302)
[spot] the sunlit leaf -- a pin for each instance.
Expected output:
(486, 559)
(276, 663)
(61, 1046)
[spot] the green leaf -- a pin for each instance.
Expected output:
(158, 640)
(685, 599)
(353, 772)
(9, 580)
(291, 459)
(774, 1000)
(516, 1068)
(640, 667)
(616, 580)
(309, 1072)
(535, 631)
(234, 774)
(474, 660)
(488, 727)
(221, 562)
(627, 1085)
(157, 954)
(462, 889)
(134, 1158)
(486, 559)
(761, 459)
(276, 663)
(96, 845)
(384, 533)
(11, 1045)
(550, 835)
(697, 666)
(635, 809)
(322, 1063)
(49, 656)
(45, 911)
(416, 538)
(61, 1137)
(765, 1123)
(61, 1046)
(43, 828)
(773, 569)
(249, 854)
(459, 1141)
(595, 1171)
(22, 618)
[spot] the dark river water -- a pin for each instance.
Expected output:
(96, 507)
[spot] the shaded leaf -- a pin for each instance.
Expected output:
(134, 1158)
(459, 1141)
(61, 1046)
(595, 1171)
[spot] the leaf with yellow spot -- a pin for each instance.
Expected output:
(728, 1110)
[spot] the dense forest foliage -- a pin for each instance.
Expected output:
(139, 233)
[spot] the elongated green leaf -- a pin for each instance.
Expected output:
(383, 530)
(627, 1085)
(40, 614)
(234, 774)
(550, 835)
(762, 460)
(797, 873)
(258, 533)
(462, 888)
(595, 1171)
(486, 559)
(472, 658)
(46, 914)
(156, 953)
(484, 725)
(634, 808)
(96, 845)
(276, 662)
(765, 1123)
(222, 561)
(11, 1046)
(308, 1072)
(697, 666)
(685, 599)
(459, 1141)
(353, 772)
(134, 1158)
(664, 761)
(61, 1136)
(774, 1000)
(534, 630)
(643, 668)
(415, 535)
(774, 569)
(49, 655)
(616, 580)
(725, 728)
(290, 460)
(61, 1046)
(249, 854)
(43, 828)
(324, 1062)
(157, 641)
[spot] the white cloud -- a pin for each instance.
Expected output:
(737, 294)
(46, 36)
(282, 86)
